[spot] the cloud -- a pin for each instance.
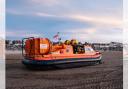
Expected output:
(103, 29)
(80, 31)
(83, 34)
(71, 16)
(24, 34)
(46, 2)
(44, 14)
(93, 35)
(24, 13)
(14, 12)
(99, 21)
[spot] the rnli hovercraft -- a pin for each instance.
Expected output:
(41, 51)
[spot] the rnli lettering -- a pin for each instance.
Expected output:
(43, 46)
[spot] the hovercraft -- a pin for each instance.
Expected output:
(41, 51)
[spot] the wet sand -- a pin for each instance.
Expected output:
(108, 75)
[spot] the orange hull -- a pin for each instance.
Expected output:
(61, 57)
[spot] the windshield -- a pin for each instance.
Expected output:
(89, 49)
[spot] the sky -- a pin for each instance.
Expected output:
(2, 20)
(84, 20)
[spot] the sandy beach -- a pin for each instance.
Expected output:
(108, 75)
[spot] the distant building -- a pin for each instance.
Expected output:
(113, 46)
(13, 44)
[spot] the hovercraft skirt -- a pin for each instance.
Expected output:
(59, 61)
